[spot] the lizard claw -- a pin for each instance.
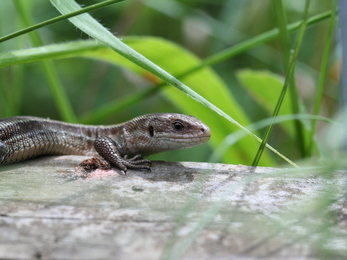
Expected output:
(107, 149)
(135, 162)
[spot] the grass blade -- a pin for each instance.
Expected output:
(322, 76)
(286, 83)
(295, 98)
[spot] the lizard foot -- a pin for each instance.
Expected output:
(107, 149)
(136, 162)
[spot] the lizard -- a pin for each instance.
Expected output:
(124, 145)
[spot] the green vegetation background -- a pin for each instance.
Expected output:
(175, 34)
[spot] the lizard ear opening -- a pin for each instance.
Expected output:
(151, 131)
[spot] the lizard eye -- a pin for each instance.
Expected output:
(178, 126)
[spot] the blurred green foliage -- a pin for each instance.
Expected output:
(203, 28)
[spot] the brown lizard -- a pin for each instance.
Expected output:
(124, 145)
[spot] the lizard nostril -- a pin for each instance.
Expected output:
(203, 130)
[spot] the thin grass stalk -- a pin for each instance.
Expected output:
(286, 84)
(58, 19)
(60, 97)
(295, 98)
(322, 76)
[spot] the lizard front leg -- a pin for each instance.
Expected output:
(108, 150)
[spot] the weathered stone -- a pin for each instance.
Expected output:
(187, 210)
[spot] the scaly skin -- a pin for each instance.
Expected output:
(123, 145)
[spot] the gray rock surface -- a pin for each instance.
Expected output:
(179, 210)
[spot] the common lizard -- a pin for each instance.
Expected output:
(123, 145)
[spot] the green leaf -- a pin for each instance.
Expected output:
(265, 87)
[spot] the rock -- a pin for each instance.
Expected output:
(179, 210)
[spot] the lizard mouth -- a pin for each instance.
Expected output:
(181, 142)
(205, 138)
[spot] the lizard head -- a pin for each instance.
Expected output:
(167, 132)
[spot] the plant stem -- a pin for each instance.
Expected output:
(322, 77)
(286, 83)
